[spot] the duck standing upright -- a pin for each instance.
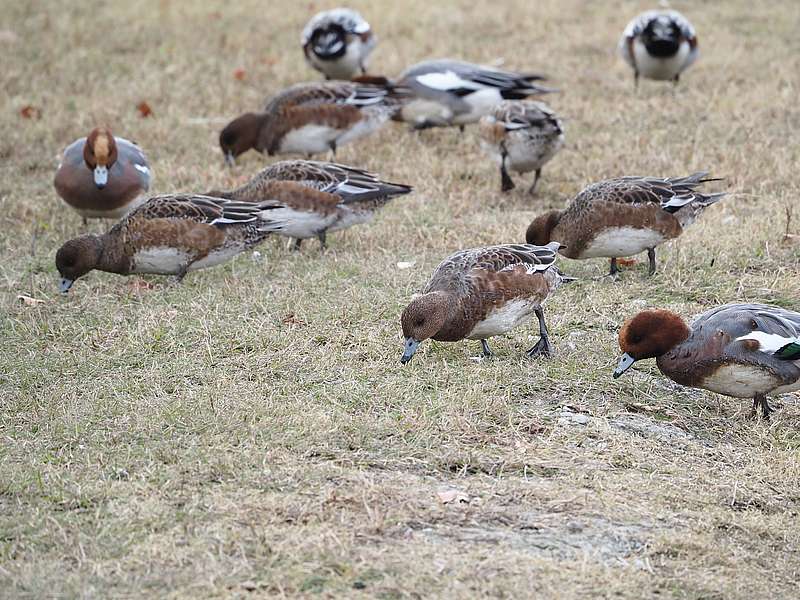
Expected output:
(739, 350)
(337, 43)
(479, 293)
(624, 216)
(449, 92)
(310, 118)
(659, 44)
(522, 135)
(102, 176)
(169, 235)
(316, 198)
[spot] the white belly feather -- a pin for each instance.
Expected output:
(504, 319)
(309, 139)
(622, 241)
(745, 381)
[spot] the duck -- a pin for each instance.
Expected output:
(311, 118)
(314, 198)
(522, 136)
(102, 176)
(337, 43)
(169, 235)
(738, 350)
(659, 44)
(624, 216)
(447, 92)
(482, 292)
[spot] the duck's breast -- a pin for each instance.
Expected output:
(654, 67)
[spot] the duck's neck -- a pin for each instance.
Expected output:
(113, 258)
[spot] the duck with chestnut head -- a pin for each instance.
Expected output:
(624, 216)
(479, 293)
(102, 176)
(738, 350)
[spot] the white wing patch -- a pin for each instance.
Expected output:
(449, 80)
(768, 342)
(142, 168)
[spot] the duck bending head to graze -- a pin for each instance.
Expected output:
(738, 350)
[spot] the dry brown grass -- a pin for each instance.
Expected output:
(197, 441)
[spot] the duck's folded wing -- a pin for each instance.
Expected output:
(500, 258)
(671, 194)
(776, 330)
(197, 208)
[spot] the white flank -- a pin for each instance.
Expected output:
(660, 68)
(216, 257)
(373, 119)
(426, 111)
(309, 139)
(349, 217)
(622, 241)
(161, 260)
(504, 319)
(768, 342)
(447, 81)
(300, 224)
(481, 103)
(745, 381)
(142, 168)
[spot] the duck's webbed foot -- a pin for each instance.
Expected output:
(543, 347)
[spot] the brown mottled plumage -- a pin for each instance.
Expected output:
(739, 350)
(479, 293)
(624, 216)
(313, 198)
(169, 235)
(522, 136)
(310, 118)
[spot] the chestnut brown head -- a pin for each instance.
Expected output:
(649, 334)
(100, 154)
(239, 136)
(540, 231)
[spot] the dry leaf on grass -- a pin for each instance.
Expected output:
(626, 262)
(29, 301)
(30, 112)
(452, 496)
(239, 74)
(144, 109)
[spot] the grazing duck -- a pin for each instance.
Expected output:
(314, 198)
(169, 235)
(475, 294)
(522, 135)
(659, 44)
(102, 176)
(738, 350)
(310, 118)
(337, 42)
(451, 92)
(624, 216)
